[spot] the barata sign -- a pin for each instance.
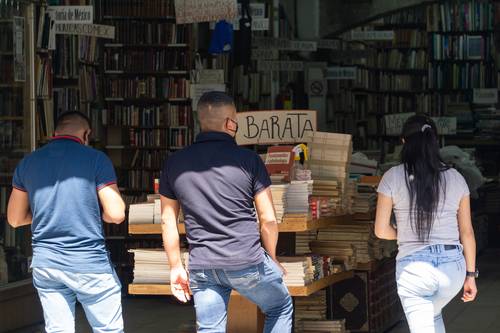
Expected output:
(276, 126)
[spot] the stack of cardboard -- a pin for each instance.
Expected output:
(312, 307)
(151, 265)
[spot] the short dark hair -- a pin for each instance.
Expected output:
(215, 98)
(65, 116)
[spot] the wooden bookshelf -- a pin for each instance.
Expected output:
(295, 291)
(289, 224)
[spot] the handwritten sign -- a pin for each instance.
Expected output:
(265, 54)
(193, 11)
(284, 44)
(283, 66)
(94, 30)
(277, 126)
(71, 14)
(394, 124)
(341, 73)
(373, 35)
(485, 96)
(197, 90)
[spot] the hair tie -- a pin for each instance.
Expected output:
(426, 126)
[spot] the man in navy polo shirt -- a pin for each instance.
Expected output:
(57, 189)
(216, 183)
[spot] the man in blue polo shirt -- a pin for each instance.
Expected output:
(57, 189)
(217, 183)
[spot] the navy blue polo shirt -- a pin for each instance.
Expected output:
(215, 182)
(62, 179)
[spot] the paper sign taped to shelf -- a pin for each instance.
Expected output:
(284, 44)
(276, 126)
(330, 44)
(94, 30)
(72, 14)
(373, 35)
(265, 54)
(258, 24)
(283, 66)
(197, 90)
(193, 11)
(19, 55)
(341, 73)
(485, 96)
(394, 124)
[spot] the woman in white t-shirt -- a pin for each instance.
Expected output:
(434, 230)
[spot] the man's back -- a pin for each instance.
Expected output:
(215, 182)
(62, 180)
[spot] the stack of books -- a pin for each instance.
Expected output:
(151, 265)
(279, 200)
(142, 213)
(357, 235)
(300, 270)
(310, 308)
(365, 203)
(343, 254)
(297, 197)
(302, 240)
(317, 326)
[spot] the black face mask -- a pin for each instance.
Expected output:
(236, 123)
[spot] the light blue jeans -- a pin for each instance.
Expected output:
(262, 284)
(99, 294)
(428, 280)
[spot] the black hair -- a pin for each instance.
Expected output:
(215, 98)
(71, 114)
(423, 170)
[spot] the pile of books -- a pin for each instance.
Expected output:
(343, 254)
(316, 326)
(145, 213)
(297, 197)
(300, 270)
(365, 203)
(357, 235)
(151, 265)
(326, 199)
(302, 240)
(278, 192)
(312, 307)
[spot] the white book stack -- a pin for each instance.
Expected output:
(317, 326)
(157, 212)
(151, 266)
(297, 197)
(142, 213)
(279, 197)
(300, 271)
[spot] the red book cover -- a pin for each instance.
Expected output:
(279, 161)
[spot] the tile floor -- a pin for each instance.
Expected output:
(161, 314)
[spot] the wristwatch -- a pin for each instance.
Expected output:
(473, 274)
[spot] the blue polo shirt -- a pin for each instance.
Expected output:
(62, 179)
(215, 182)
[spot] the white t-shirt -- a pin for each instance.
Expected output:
(445, 227)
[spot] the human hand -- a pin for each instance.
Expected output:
(179, 282)
(470, 289)
(280, 266)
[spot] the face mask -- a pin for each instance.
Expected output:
(235, 130)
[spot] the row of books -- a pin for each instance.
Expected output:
(396, 82)
(411, 16)
(151, 266)
(137, 32)
(134, 8)
(396, 59)
(147, 87)
(140, 180)
(149, 117)
(7, 42)
(44, 74)
(66, 99)
(462, 76)
(71, 53)
(461, 16)
(11, 134)
(45, 29)
(410, 38)
(11, 101)
(180, 137)
(149, 60)
(463, 47)
(148, 137)
(89, 85)
(148, 159)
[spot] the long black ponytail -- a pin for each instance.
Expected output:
(423, 168)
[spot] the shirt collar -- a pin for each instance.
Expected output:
(66, 137)
(214, 136)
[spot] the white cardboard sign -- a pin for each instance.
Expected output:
(72, 14)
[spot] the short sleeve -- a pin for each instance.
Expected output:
(17, 180)
(386, 186)
(165, 187)
(261, 176)
(105, 172)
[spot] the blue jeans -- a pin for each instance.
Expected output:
(262, 284)
(428, 280)
(99, 294)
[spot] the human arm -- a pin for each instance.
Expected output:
(268, 225)
(383, 227)
(469, 243)
(113, 206)
(18, 209)
(171, 241)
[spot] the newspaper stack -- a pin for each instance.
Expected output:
(151, 265)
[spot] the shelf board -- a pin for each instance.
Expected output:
(137, 46)
(152, 73)
(147, 100)
(295, 291)
(139, 18)
(291, 223)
